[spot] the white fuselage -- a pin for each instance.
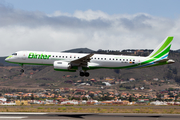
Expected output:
(98, 60)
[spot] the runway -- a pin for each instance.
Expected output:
(85, 116)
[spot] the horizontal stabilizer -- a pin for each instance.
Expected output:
(163, 60)
(168, 61)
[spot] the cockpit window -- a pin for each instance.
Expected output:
(14, 54)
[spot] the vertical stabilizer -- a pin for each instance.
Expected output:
(162, 50)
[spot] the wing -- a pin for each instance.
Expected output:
(82, 61)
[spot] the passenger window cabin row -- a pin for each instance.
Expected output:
(125, 60)
(64, 56)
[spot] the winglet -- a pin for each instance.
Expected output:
(162, 50)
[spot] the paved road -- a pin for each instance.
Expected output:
(84, 116)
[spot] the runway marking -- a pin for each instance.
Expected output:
(21, 113)
(54, 119)
(13, 117)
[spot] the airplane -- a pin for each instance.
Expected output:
(72, 62)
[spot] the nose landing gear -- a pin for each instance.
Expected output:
(22, 70)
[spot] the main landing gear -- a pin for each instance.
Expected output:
(86, 74)
(81, 73)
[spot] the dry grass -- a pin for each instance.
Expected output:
(89, 109)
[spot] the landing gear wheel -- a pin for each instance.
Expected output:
(81, 74)
(22, 70)
(86, 74)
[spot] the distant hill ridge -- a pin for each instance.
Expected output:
(80, 50)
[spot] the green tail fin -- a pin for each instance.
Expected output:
(162, 50)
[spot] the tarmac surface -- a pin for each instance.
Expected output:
(85, 116)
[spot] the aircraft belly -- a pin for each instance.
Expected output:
(48, 61)
(113, 64)
(37, 61)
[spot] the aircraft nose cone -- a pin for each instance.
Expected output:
(8, 58)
